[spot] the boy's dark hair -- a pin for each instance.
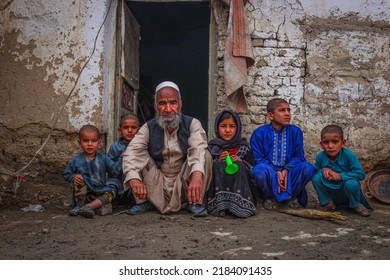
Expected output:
(129, 116)
(332, 128)
(89, 128)
(275, 103)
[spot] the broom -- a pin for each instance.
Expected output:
(314, 214)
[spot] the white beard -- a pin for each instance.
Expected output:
(169, 124)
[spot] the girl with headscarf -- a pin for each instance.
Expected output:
(230, 193)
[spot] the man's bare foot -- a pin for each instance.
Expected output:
(328, 207)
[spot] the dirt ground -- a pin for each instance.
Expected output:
(52, 234)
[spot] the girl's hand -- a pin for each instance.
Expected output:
(235, 158)
(223, 156)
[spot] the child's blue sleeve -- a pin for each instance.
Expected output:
(69, 172)
(298, 152)
(114, 151)
(355, 169)
(257, 149)
(111, 153)
(318, 164)
(112, 168)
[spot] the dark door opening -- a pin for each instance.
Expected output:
(174, 46)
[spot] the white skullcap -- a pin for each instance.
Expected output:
(167, 84)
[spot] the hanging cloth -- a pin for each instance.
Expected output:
(238, 56)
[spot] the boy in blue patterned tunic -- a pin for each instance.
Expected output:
(281, 171)
(87, 172)
(128, 128)
(338, 176)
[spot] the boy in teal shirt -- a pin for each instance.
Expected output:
(338, 175)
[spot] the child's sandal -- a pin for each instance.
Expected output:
(293, 204)
(362, 211)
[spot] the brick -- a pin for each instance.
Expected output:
(104, 210)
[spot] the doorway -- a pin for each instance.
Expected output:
(174, 46)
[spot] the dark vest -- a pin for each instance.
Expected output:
(156, 139)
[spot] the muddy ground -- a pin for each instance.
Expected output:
(52, 234)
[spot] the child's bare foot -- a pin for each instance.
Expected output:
(271, 204)
(328, 207)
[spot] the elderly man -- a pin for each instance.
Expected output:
(167, 163)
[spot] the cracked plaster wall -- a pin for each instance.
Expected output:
(43, 47)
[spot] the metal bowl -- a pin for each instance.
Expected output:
(379, 185)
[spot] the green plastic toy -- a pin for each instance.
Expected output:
(231, 167)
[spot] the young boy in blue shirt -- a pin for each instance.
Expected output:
(128, 128)
(87, 172)
(338, 176)
(281, 171)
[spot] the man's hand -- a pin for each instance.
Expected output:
(331, 175)
(78, 180)
(282, 180)
(139, 188)
(195, 187)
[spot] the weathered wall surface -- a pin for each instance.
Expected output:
(330, 60)
(43, 47)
